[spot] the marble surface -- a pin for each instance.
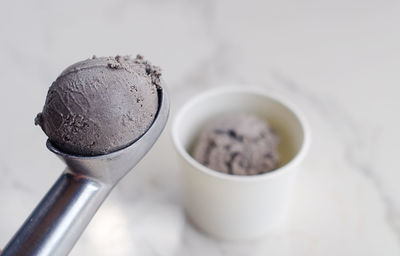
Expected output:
(337, 60)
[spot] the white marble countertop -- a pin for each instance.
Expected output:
(338, 60)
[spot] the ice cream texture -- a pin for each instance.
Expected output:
(100, 105)
(239, 144)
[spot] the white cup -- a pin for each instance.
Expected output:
(234, 207)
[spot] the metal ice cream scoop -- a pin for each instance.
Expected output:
(60, 218)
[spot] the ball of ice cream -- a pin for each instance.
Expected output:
(100, 105)
(240, 144)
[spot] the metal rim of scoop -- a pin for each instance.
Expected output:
(161, 117)
(111, 167)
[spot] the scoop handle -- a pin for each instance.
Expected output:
(60, 218)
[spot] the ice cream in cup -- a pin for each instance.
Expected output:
(234, 186)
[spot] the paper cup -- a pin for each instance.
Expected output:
(234, 207)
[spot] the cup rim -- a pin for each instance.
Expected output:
(248, 90)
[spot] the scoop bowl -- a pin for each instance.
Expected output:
(60, 218)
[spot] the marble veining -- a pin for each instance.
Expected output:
(359, 144)
(336, 60)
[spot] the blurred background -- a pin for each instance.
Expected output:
(337, 60)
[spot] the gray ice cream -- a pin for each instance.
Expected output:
(100, 105)
(240, 144)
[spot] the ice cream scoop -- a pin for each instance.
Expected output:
(60, 218)
(240, 144)
(99, 105)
